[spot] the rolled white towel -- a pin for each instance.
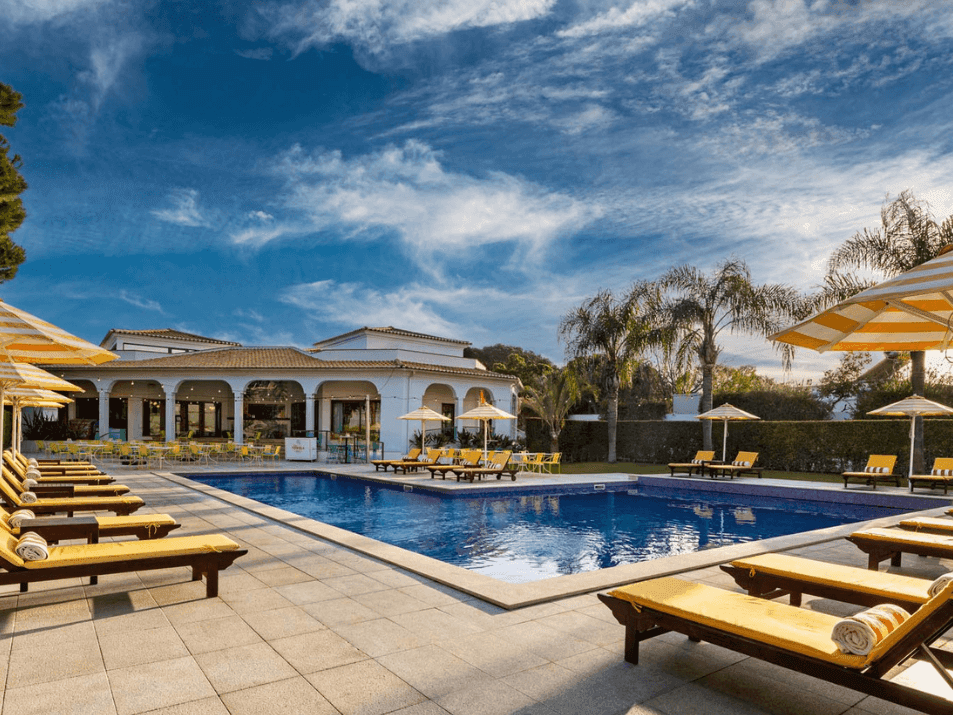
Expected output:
(32, 547)
(29, 483)
(33, 472)
(859, 633)
(28, 498)
(31, 462)
(18, 516)
(939, 584)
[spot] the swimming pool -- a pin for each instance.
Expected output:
(526, 536)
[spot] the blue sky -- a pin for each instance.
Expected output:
(280, 172)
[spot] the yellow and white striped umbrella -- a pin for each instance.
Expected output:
(29, 396)
(13, 374)
(26, 338)
(912, 311)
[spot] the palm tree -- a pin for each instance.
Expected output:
(551, 397)
(908, 236)
(704, 306)
(613, 331)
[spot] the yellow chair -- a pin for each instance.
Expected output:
(879, 469)
(940, 476)
(550, 463)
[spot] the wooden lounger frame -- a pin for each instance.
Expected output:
(878, 550)
(207, 564)
(648, 623)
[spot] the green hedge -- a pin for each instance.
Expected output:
(816, 446)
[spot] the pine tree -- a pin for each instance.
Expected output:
(12, 184)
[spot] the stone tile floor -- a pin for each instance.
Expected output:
(305, 626)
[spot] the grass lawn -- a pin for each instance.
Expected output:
(636, 468)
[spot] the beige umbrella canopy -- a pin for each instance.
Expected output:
(912, 407)
(486, 412)
(726, 413)
(424, 415)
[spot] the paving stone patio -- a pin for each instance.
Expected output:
(303, 625)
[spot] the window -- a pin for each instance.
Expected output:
(347, 416)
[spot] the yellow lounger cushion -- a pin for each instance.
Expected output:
(899, 536)
(856, 579)
(133, 520)
(797, 630)
(118, 550)
(928, 522)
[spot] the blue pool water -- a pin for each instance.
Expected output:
(535, 536)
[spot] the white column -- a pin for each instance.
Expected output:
(239, 418)
(169, 389)
(103, 413)
(134, 425)
(309, 413)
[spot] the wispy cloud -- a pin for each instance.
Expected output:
(36, 11)
(374, 26)
(405, 191)
(185, 210)
(140, 302)
(260, 53)
(614, 20)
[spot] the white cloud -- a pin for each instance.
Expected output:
(405, 191)
(260, 215)
(36, 11)
(375, 26)
(140, 302)
(350, 303)
(261, 53)
(185, 211)
(639, 14)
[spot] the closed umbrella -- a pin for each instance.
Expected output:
(486, 412)
(912, 406)
(424, 415)
(726, 413)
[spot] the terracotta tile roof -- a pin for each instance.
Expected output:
(286, 358)
(169, 334)
(391, 330)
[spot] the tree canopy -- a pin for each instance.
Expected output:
(12, 184)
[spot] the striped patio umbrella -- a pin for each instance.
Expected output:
(912, 311)
(726, 413)
(26, 338)
(912, 406)
(21, 396)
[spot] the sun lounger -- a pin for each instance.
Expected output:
(879, 469)
(744, 463)
(496, 467)
(940, 476)
(794, 638)
(883, 544)
(927, 525)
(67, 489)
(205, 555)
(383, 464)
(775, 575)
(91, 528)
(56, 476)
(123, 505)
(412, 465)
(51, 466)
(702, 457)
(469, 458)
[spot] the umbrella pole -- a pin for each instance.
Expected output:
(2, 410)
(485, 423)
(913, 435)
(724, 445)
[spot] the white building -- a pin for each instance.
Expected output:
(215, 388)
